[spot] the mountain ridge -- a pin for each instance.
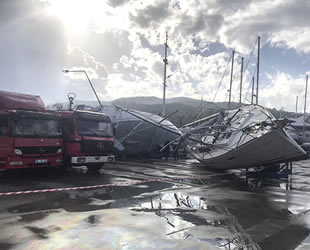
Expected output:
(180, 110)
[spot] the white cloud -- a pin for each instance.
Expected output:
(236, 23)
(152, 15)
(282, 92)
(298, 39)
(117, 87)
(79, 60)
(117, 3)
(120, 44)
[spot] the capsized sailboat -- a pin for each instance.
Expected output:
(248, 136)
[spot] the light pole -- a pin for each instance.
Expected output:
(83, 71)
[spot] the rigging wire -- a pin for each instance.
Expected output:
(220, 83)
(208, 103)
(246, 67)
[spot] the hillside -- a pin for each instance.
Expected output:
(180, 110)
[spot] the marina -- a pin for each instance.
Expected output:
(154, 125)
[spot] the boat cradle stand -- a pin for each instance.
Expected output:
(278, 171)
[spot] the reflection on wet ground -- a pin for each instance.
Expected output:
(218, 212)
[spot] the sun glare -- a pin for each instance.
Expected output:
(75, 14)
(79, 16)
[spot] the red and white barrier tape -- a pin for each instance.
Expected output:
(127, 183)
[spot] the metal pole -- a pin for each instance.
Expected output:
(93, 89)
(252, 97)
(296, 106)
(231, 77)
(257, 76)
(165, 72)
(241, 75)
(83, 71)
(305, 108)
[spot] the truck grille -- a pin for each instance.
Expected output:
(97, 146)
(39, 150)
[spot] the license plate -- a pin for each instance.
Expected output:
(40, 161)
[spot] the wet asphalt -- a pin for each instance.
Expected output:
(228, 211)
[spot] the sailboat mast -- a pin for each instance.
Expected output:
(241, 75)
(257, 75)
(252, 96)
(231, 77)
(165, 60)
(296, 106)
(305, 107)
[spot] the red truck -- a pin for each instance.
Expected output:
(29, 136)
(88, 139)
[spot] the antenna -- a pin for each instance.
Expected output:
(71, 97)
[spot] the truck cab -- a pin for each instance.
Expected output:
(88, 139)
(30, 136)
(30, 139)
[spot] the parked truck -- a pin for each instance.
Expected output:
(29, 136)
(88, 139)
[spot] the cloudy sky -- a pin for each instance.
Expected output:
(120, 44)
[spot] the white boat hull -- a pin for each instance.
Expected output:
(271, 148)
(242, 138)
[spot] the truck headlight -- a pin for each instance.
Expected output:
(59, 151)
(81, 160)
(18, 151)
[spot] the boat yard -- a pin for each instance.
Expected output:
(194, 145)
(173, 204)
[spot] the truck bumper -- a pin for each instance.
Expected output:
(18, 162)
(84, 160)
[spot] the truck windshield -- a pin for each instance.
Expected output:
(94, 128)
(33, 127)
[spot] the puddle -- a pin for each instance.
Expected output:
(221, 212)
